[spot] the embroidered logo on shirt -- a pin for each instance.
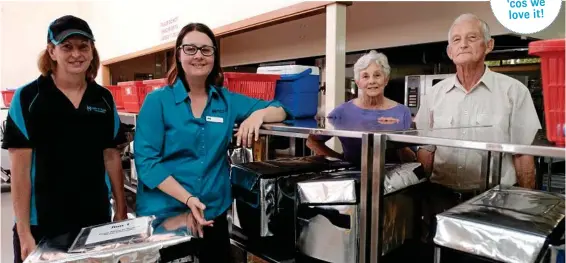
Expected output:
(388, 120)
(95, 109)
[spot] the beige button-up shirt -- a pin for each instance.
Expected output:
(496, 100)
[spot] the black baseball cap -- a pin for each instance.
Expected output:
(66, 26)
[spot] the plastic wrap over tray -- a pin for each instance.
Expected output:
(507, 224)
(140, 248)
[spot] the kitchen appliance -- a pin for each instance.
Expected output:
(264, 193)
(328, 212)
(416, 86)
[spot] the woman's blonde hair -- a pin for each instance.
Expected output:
(47, 65)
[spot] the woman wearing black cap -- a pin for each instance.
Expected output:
(62, 134)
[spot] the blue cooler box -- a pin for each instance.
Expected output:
(557, 254)
(297, 92)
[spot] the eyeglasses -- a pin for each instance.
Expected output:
(191, 49)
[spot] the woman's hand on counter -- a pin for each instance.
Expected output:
(249, 129)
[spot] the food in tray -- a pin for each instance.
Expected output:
(49, 256)
(161, 237)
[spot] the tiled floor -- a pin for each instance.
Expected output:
(6, 223)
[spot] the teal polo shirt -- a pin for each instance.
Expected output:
(170, 141)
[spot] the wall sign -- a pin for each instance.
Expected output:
(526, 16)
(169, 29)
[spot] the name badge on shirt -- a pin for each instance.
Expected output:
(214, 119)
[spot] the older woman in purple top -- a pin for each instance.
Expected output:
(371, 111)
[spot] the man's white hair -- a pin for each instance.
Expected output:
(373, 56)
(467, 17)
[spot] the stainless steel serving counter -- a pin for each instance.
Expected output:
(485, 138)
(480, 138)
(374, 143)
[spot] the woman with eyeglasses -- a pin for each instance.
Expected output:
(182, 137)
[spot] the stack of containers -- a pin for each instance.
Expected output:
(117, 94)
(297, 89)
(7, 96)
(551, 53)
(134, 92)
(154, 84)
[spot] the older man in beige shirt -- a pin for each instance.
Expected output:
(476, 96)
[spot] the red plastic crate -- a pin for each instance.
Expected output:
(117, 94)
(7, 96)
(551, 53)
(133, 94)
(259, 86)
(154, 84)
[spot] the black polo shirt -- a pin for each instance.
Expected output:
(68, 176)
